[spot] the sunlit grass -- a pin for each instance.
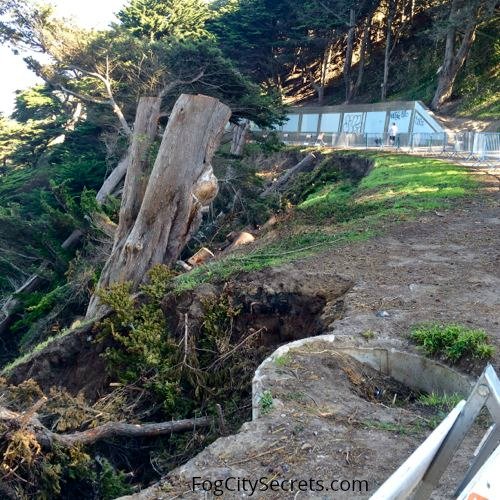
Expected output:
(397, 188)
(397, 183)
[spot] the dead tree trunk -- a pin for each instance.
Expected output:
(240, 133)
(113, 179)
(180, 185)
(304, 165)
(136, 179)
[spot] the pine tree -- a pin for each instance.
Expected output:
(155, 19)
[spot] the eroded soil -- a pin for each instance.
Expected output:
(443, 267)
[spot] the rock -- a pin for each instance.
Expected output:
(183, 266)
(382, 314)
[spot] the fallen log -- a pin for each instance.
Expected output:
(48, 438)
(305, 165)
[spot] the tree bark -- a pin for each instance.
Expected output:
(387, 52)
(362, 56)
(348, 56)
(180, 185)
(136, 178)
(240, 133)
(452, 62)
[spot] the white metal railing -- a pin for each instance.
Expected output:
(419, 475)
(476, 147)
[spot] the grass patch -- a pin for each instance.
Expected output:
(397, 184)
(336, 210)
(444, 402)
(453, 342)
(407, 430)
(288, 249)
(283, 360)
(266, 402)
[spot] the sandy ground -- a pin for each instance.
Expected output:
(444, 267)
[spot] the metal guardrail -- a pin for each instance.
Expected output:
(476, 147)
(419, 475)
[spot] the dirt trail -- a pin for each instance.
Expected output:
(443, 267)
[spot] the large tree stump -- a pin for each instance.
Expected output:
(157, 221)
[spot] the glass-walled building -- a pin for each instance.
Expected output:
(360, 124)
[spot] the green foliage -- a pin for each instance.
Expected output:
(283, 360)
(442, 404)
(445, 402)
(191, 369)
(145, 345)
(453, 342)
(112, 482)
(266, 402)
(155, 19)
(36, 103)
(478, 85)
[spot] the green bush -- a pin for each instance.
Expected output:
(146, 351)
(452, 341)
(112, 482)
(266, 402)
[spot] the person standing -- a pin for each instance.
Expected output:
(393, 132)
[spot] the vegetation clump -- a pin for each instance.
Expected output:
(191, 369)
(453, 342)
(266, 402)
(31, 469)
(444, 402)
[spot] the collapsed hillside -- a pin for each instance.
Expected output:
(321, 417)
(189, 344)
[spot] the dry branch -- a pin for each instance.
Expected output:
(279, 185)
(48, 438)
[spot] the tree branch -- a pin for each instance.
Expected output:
(170, 86)
(110, 101)
(48, 438)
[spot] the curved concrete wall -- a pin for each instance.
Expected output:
(412, 370)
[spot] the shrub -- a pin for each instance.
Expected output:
(452, 341)
(266, 402)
